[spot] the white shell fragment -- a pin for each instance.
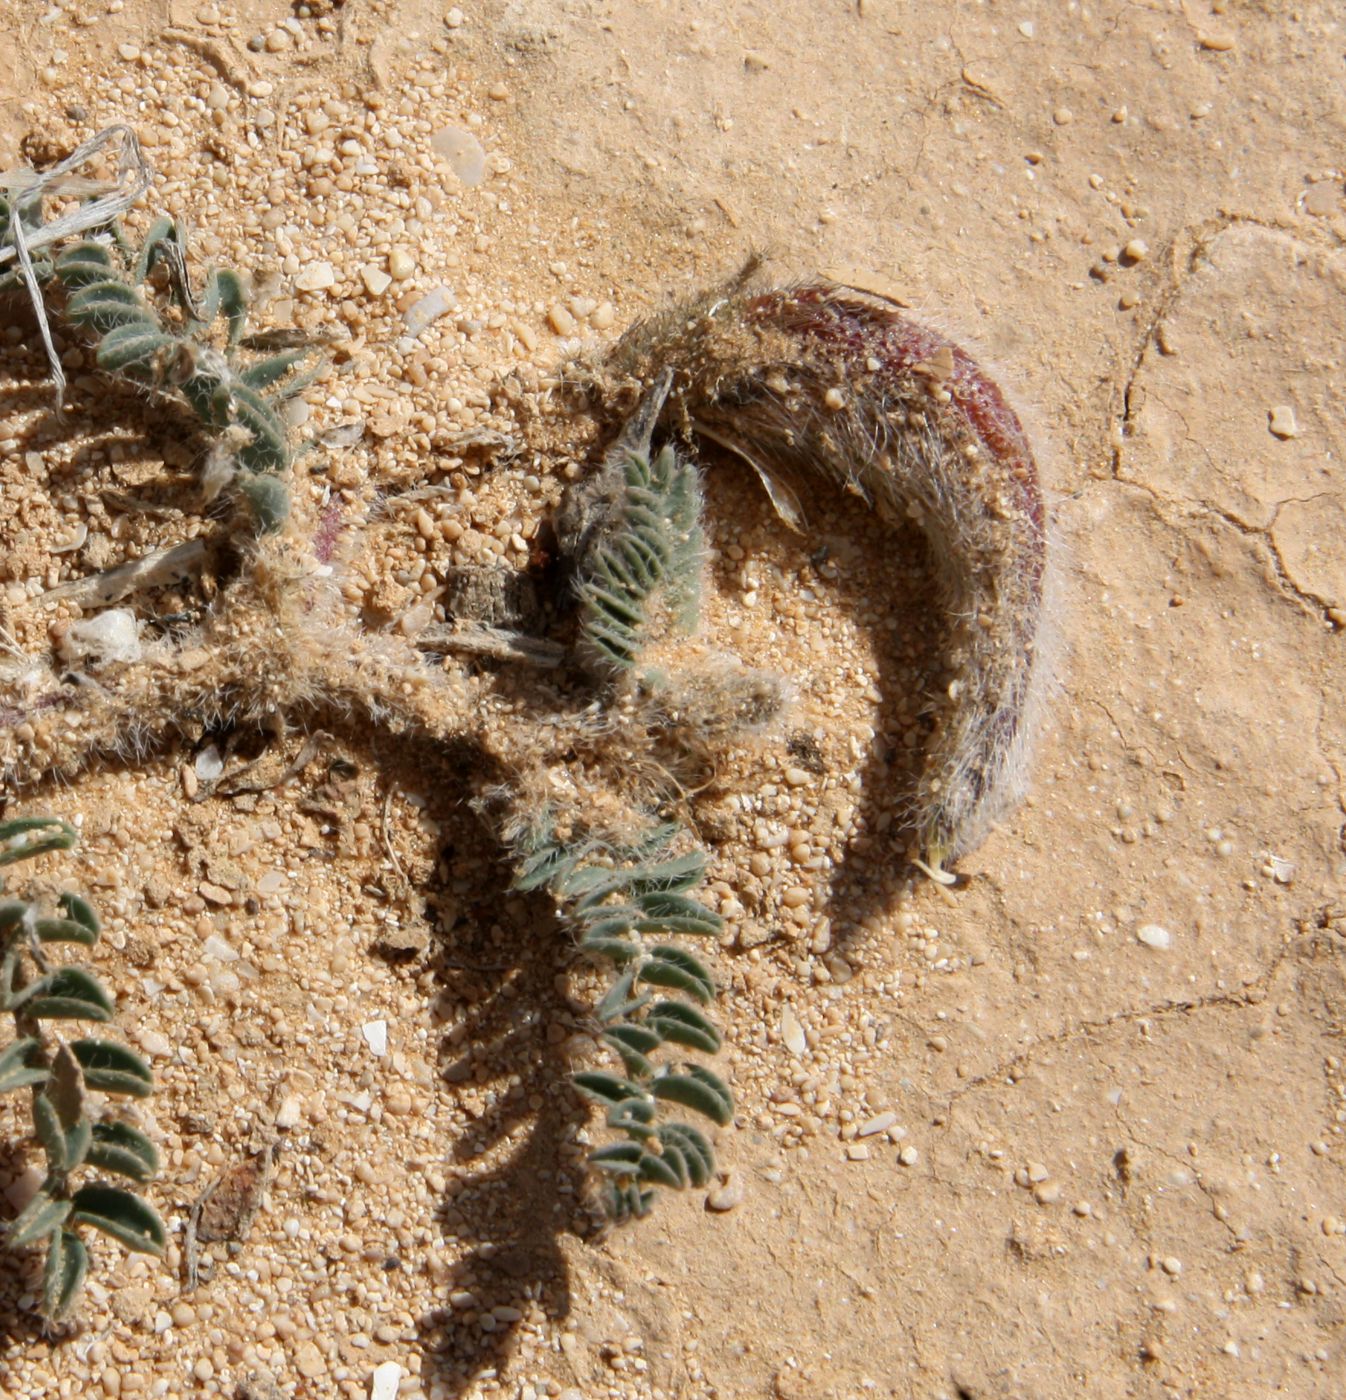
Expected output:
(1154, 936)
(425, 312)
(462, 151)
(384, 1382)
(376, 1036)
(208, 764)
(110, 636)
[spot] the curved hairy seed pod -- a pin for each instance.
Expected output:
(832, 382)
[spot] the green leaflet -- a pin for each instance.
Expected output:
(691, 1145)
(64, 1273)
(113, 1068)
(16, 1071)
(122, 1215)
(697, 1088)
(684, 1025)
(38, 1219)
(669, 966)
(21, 838)
(69, 993)
(605, 1088)
(120, 1148)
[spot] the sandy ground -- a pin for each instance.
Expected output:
(1108, 1161)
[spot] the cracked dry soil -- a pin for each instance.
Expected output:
(1019, 1143)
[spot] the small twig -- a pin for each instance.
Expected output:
(496, 642)
(162, 566)
(387, 840)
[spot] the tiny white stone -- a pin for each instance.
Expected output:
(208, 764)
(909, 1156)
(463, 152)
(385, 1380)
(880, 1123)
(218, 950)
(153, 1042)
(290, 1112)
(376, 280)
(316, 277)
(162, 1322)
(1154, 936)
(792, 1033)
(376, 1036)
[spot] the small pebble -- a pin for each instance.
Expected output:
(384, 1382)
(880, 1123)
(1136, 251)
(376, 280)
(400, 265)
(308, 1361)
(376, 1036)
(726, 1195)
(316, 277)
(1171, 1265)
(290, 1112)
(604, 314)
(1048, 1193)
(561, 321)
(909, 1156)
(792, 1032)
(1282, 422)
(462, 152)
(1154, 936)
(857, 1152)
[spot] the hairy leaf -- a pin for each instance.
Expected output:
(120, 1148)
(131, 347)
(659, 1170)
(684, 1025)
(39, 1218)
(605, 1088)
(24, 837)
(696, 1151)
(669, 966)
(121, 1214)
(634, 1061)
(113, 1068)
(16, 1072)
(697, 1088)
(68, 994)
(64, 1273)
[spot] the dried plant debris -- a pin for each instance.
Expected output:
(829, 382)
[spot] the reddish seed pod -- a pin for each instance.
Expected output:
(831, 382)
